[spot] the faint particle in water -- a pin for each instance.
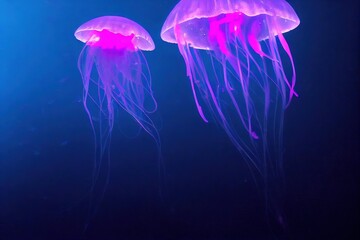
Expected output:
(32, 129)
(64, 143)
(63, 80)
(36, 152)
(78, 100)
(51, 102)
(95, 119)
(233, 51)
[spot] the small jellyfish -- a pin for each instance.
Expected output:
(241, 71)
(115, 76)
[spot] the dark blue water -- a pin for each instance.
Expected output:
(46, 143)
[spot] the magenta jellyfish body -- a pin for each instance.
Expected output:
(115, 76)
(235, 55)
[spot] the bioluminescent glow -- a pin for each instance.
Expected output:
(235, 52)
(115, 76)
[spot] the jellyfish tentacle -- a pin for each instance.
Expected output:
(183, 49)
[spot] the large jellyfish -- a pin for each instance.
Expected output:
(241, 72)
(115, 76)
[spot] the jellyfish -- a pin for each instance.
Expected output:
(115, 76)
(241, 72)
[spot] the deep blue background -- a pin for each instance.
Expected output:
(46, 141)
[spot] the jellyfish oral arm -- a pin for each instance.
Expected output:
(286, 47)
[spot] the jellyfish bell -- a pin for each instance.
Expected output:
(194, 17)
(115, 27)
(234, 55)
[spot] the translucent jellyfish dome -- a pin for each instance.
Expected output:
(115, 25)
(192, 16)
